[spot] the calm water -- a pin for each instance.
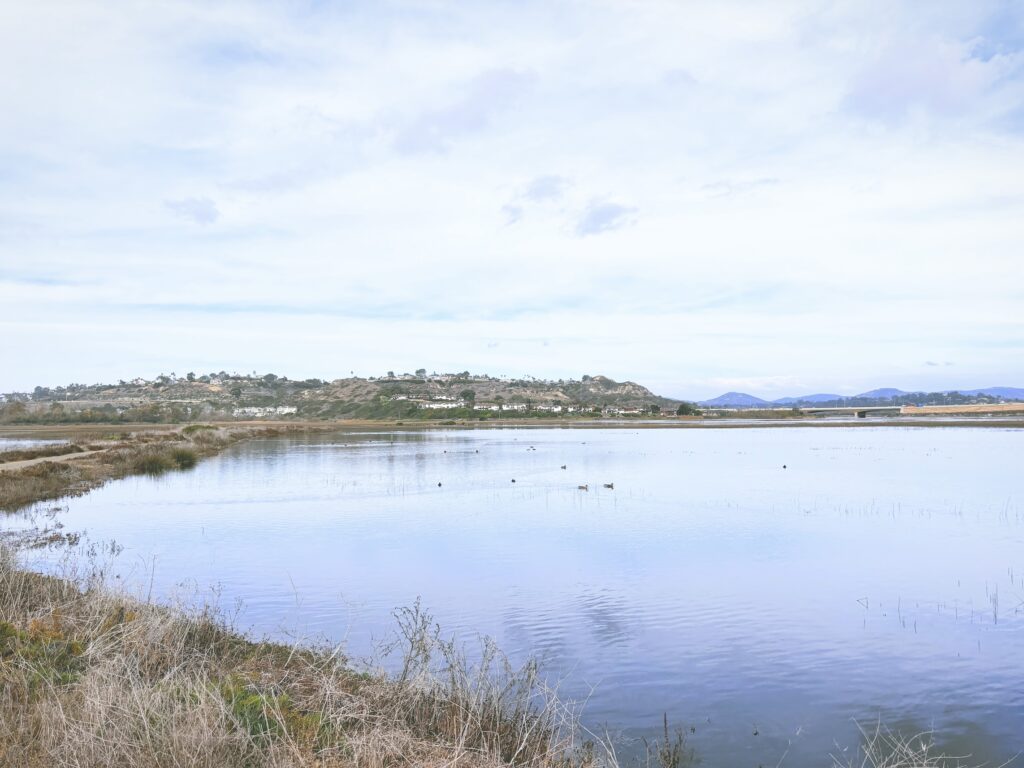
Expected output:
(880, 574)
(15, 443)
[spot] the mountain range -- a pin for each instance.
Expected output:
(884, 395)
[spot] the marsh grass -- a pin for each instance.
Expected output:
(148, 453)
(46, 451)
(92, 677)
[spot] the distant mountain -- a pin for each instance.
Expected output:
(881, 394)
(734, 400)
(1007, 393)
(819, 398)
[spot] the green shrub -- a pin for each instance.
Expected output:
(153, 464)
(184, 458)
(192, 429)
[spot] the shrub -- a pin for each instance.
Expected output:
(192, 429)
(152, 464)
(184, 458)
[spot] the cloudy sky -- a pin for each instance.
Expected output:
(776, 197)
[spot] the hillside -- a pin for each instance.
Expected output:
(418, 395)
(735, 400)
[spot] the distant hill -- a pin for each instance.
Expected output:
(406, 395)
(1007, 393)
(884, 396)
(820, 398)
(734, 400)
(881, 394)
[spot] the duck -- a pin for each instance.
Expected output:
(583, 487)
(610, 486)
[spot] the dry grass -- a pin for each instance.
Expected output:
(884, 748)
(59, 449)
(91, 677)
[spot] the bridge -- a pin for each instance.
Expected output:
(860, 411)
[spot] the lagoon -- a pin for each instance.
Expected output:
(765, 587)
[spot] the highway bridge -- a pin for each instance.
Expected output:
(860, 411)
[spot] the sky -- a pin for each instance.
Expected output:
(773, 197)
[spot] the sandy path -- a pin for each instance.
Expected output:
(10, 465)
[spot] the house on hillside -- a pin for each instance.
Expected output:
(262, 412)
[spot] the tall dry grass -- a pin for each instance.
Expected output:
(23, 454)
(90, 677)
(884, 748)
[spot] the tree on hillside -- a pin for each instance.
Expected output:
(468, 395)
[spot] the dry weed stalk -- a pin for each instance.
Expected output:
(884, 748)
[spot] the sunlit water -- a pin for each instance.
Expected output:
(878, 574)
(17, 444)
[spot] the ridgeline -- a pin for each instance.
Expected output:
(413, 396)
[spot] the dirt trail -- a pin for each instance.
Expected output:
(63, 457)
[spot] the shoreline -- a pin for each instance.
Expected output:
(92, 675)
(85, 431)
(92, 460)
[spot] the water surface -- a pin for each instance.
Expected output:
(764, 586)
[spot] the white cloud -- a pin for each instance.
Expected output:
(817, 194)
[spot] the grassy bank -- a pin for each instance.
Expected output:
(28, 476)
(92, 677)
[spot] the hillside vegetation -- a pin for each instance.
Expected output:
(171, 398)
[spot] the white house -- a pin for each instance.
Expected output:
(259, 412)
